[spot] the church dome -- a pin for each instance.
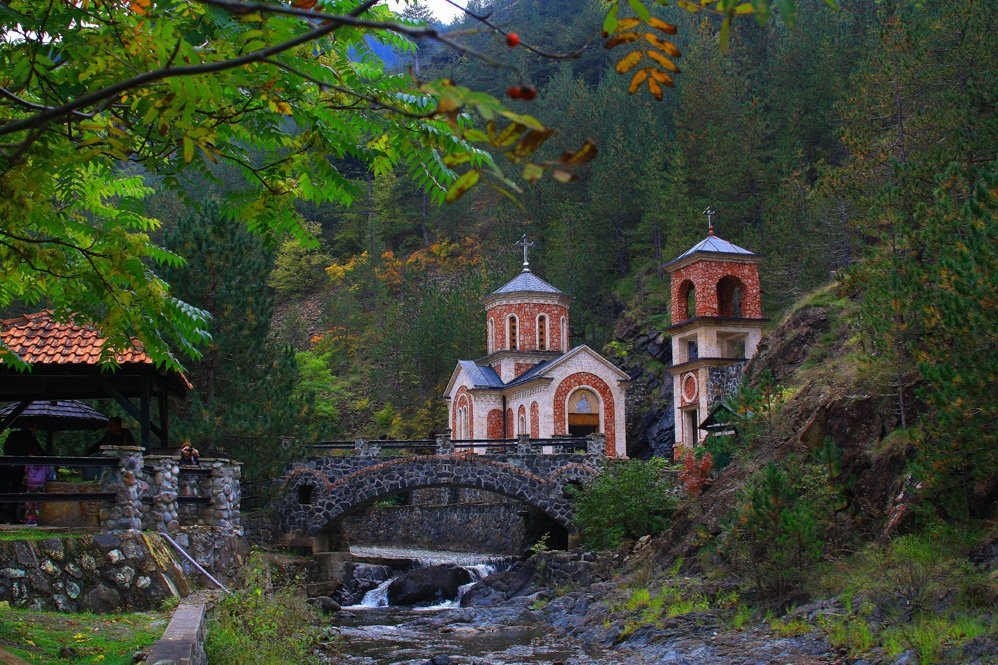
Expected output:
(526, 282)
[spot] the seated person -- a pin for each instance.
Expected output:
(36, 475)
(189, 454)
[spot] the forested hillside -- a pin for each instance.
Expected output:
(857, 142)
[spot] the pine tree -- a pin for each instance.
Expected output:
(242, 403)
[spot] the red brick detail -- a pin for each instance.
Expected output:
(494, 423)
(510, 431)
(521, 413)
(596, 384)
(535, 421)
(520, 368)
(526, 314)
(705, 276)
(463, 398)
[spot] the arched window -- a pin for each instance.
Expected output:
(522, 425)
(564, 334)
(492, 336)
(686, 307)
(729, 297)
(542, 332)
(513, 339)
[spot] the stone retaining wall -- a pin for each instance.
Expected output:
(494, 527)
(95, 572)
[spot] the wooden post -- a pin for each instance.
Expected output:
(146, 413)
(164, 419)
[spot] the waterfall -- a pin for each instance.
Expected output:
(479, 566)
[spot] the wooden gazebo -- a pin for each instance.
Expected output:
(65, 361)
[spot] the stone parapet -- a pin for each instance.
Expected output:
(156, 493)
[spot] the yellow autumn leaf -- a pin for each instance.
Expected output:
(663, 45)
(622, 38)
(627, 62)
(667, 28)
(655, 88)
(662, 78)
(639, 78)
(662, 60)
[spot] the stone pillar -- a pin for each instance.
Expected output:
(596, 444)
(225, 494)
(164, 488)
(523, 445)
(366, 448)
(445, 445)
(126, 513)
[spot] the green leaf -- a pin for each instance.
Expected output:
(610, 21)
(532, 172)
(640, 9)
(725, 34)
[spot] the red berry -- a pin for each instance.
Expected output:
(528, 92)
(512, 39)
(514, 92)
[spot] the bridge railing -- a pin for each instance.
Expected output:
(594, 444)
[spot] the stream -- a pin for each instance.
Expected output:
(376, 633)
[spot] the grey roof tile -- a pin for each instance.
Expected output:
(526, 281)
(482, 377)
(714, 245)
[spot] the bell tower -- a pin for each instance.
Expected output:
(526, 322)
(716, 326)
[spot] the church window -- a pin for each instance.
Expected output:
(521, 427)
(564, 334)
(542, 333)
(691, 302)
(512, 334)
(492, 336)
(691, 350)
(730, 291)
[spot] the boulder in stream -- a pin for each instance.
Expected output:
(429, 584)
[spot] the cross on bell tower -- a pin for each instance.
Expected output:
(526, 250)
(710, 212)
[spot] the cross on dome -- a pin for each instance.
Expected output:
(526, 245)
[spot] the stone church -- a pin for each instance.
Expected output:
(531, 382)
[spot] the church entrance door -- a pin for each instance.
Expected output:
(583, 413)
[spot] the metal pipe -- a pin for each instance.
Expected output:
(195, 563)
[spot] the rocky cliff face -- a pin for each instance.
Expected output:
(645, 353)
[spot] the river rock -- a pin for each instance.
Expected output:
(325, 604)
(101, 600)
(500, 587)
(427, 584)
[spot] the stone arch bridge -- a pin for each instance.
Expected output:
(319, 491)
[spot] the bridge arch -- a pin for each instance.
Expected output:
(318, 499)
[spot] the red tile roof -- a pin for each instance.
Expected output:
(40, 339)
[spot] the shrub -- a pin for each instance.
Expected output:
(776, 532)
(630, 499)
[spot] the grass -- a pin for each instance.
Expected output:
(48, 638)
(254, 627)
(909, 577)
(34, 534)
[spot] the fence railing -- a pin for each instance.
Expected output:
(445, 445)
